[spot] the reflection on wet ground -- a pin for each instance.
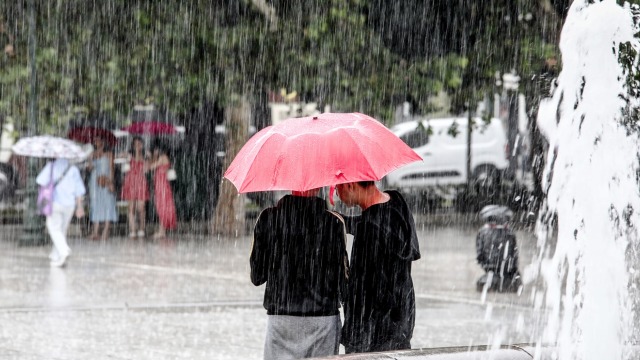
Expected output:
(190, 297)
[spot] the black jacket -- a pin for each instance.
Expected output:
(497, 250)
(380, 301)
(299, 250)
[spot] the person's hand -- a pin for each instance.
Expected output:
(80, 212)
(102, 181)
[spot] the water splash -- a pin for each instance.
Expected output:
(591, 181)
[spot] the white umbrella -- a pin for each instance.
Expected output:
(49, 147)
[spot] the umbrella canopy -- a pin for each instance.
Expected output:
(49, 147)
(311, 152)
(151, 128)
(89, 134)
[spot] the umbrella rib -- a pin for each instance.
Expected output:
(255, 151)
(367, 155)
(364, 154)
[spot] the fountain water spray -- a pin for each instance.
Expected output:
(592, 187)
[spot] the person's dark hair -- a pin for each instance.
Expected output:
(106, 147)
(161, 147)
(132, 149)
(366, 184)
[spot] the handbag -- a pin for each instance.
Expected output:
(44, 203)
(171, 174)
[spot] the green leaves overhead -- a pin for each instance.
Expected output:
(109, 55)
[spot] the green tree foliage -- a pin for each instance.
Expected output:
(493, 36)
(107, 56)
(332, 54)
(355, 55)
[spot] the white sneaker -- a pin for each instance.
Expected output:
(140, 233)
(60, 262)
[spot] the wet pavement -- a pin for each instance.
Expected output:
(189, 297)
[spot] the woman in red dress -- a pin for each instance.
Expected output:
(163, 197)
(135, 189)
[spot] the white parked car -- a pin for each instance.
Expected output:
(445, 155)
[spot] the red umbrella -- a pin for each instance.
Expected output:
(306, 153)
(150, 127)
(88, 134)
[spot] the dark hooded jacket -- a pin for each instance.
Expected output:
(299, 250)
(380, 301)
(497, 250)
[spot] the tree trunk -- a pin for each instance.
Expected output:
(229, 217)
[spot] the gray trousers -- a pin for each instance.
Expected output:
(297, 337)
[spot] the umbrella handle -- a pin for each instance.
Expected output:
(332, 190)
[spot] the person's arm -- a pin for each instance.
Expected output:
(259, 258)
(44, 176)
(162, 159)
(79, 191)
(339, 252)
(80, 207)
(343, 260)
(111, 184)
(111, 166)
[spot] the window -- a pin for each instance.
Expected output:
(416, 138)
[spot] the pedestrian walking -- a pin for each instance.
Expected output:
(379, 307)
(299, 250)
(162, 194)
(135, 189)
(67, 197)
(102, 197)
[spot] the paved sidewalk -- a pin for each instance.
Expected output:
(190, 298)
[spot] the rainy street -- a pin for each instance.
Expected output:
(162, 131)
(190, 297)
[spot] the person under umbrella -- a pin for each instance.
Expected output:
(101, 190)
(135, 189)
(379, 311)
(342, 148)
(304, 289)
(162, 194)
(68, 196)
(67, 188)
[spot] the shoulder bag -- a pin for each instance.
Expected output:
(44, 202)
